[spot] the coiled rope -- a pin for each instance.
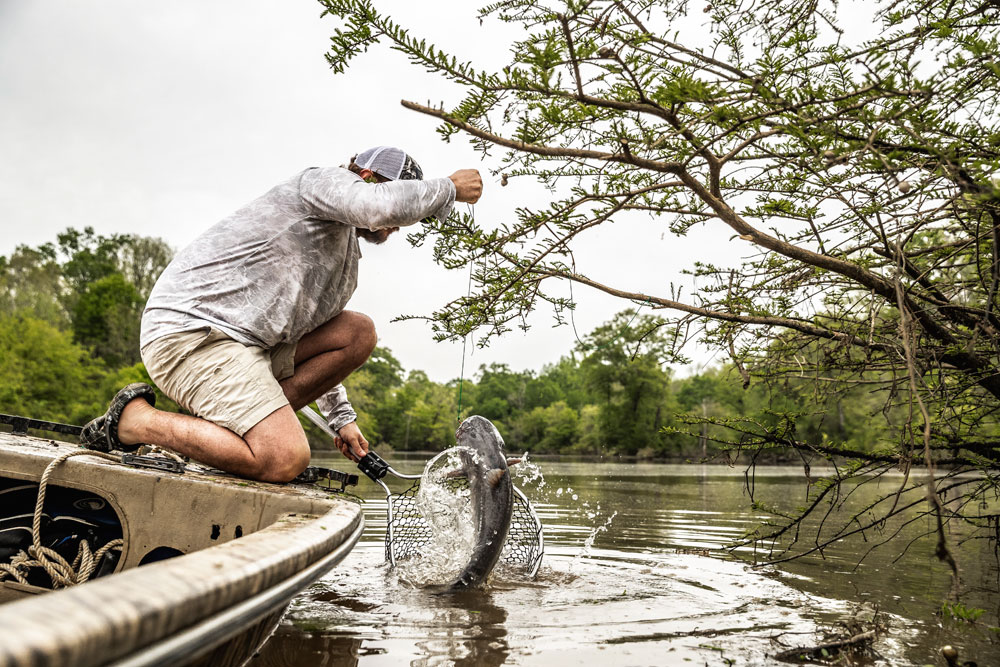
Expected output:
(60, 571)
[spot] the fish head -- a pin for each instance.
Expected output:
(489, 463)
(480, 434)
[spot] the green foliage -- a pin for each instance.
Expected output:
(824, 151)
(623, 370)
(69, 322)
(611, 396)
(105, 317)
(96, 285)
(554, 428)
(420, 414)
(30, 282)
(959, 612)
(69, 341)
(370, 389)
(44, 374)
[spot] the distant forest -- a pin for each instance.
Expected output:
(69, 328)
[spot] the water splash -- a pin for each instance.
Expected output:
(588, 544)
(590, 511)
(528, 474)
(447, 508)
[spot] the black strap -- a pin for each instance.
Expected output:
(22, 424)
(154, 462)
(313, 474)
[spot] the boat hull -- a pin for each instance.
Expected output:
(213, 605)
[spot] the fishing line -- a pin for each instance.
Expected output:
(572, 310)
(465, 339)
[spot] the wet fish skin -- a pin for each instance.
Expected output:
(460, 474)
(492, 496)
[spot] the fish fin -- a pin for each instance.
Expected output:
(494, 476)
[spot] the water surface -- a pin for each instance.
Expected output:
(635, 573)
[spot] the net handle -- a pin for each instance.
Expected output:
(372, 465)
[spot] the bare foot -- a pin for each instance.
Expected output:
(135, 415)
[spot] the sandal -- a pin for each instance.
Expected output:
(101, 434)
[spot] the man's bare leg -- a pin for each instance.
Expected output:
(327, 355)
(276, 449)
(260, 454)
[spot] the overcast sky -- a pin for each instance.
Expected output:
(162, 118)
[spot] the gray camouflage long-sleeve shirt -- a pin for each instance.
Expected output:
(287, 262)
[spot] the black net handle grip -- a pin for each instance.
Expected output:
(374, 466)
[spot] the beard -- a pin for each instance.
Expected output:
(376, 236)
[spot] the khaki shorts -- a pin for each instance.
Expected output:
(219, 379)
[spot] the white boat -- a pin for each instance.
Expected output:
(205, 565)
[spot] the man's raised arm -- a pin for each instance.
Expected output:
(335, 193)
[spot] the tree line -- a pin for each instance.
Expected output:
(69, 328)
(610, 396)
(69, 322)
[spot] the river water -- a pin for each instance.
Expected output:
(636, 573)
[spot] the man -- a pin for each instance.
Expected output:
(247, 324)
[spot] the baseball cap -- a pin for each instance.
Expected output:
(391, 162)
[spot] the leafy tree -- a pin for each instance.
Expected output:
(30, 283)
(386, 371)
(44, 374)
(106, 318)
(420, 414)
(98, 284)
(566, 375)
(69, 322)
(89, 257)
(623, 369)
(709, 394)
(858, 172)
(141, 259)
(370, 390)
(553, 428)
(108, 280)
(499, 391)
(589, 439)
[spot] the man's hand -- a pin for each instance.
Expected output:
(350, 442)
(468, 185)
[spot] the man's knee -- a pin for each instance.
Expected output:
(363, 336)
(282, 462)
(279, 445)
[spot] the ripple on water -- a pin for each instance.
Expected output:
(650, 589)
(628, 608)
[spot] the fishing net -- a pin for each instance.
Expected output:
(407, 531)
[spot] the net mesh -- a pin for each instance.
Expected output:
(408, 531)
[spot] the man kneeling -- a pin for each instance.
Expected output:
(248, 323)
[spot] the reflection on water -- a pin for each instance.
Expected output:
(634, 575)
